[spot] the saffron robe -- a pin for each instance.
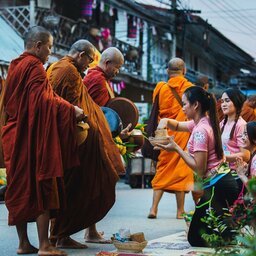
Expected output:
(96, 83)
(90, 188)
(172, 173)
(34, 155)
(248, 113)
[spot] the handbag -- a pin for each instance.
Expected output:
(147, 149)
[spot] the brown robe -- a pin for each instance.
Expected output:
(90, 188)
(33, 153)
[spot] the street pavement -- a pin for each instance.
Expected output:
(130, 211)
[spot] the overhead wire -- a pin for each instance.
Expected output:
(234, 15)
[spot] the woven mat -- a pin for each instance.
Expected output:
(172, 245)
(119, 254)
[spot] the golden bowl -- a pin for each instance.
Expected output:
(158, 140)
(131, 246)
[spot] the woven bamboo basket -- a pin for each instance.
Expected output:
(130, 246)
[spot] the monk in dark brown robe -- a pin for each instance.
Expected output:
(97, 79)
(38, 143)
(90, 188)
(2, 121)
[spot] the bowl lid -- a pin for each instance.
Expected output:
(126, 109)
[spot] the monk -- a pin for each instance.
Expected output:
(2, 120)
(172, 174)
(249, 109)
(38, 143)
(91, 186)
(97, 79)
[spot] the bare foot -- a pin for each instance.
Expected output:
(27, 249)
(152, 214)
(96, 237)
(180, 215)
(51, 251)
(69, 243)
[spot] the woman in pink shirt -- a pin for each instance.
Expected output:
(232, 126)
(246, 171)
(204, 156)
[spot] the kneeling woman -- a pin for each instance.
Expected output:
(205, 156)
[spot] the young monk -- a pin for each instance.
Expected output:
(37, 121)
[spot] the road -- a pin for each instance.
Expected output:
(130, 211)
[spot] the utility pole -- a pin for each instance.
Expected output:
(173, 50)
(32, 13)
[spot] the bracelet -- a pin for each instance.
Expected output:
(176, 126)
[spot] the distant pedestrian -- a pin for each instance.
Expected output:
(203, 82)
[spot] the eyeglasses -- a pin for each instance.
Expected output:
(91, 60)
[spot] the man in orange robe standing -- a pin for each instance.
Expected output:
(38, 143)
(91, 186)
(172, 174)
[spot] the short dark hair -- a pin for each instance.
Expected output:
(35, 34)
(251, 131)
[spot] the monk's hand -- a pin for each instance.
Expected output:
(162, 123)
(125, 133)
(170, 147)
(80, 116)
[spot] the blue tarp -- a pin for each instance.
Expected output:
(11, 44)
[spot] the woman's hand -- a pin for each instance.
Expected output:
(162, 123)
(241, 167)
(170, 147)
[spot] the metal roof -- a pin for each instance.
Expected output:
(11, 44)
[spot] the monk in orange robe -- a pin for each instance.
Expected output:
(38, 143)
(91, 187)
(249, 109)
(172, 173)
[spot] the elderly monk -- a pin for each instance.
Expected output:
(91, 187)
(38, 143)
(172, 174)
(97, 79)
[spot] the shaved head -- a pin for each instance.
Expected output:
(81, 45)
(111, 61)
(176, 66)
(36, 34)
(112, 54)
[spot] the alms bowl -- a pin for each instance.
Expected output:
(158, 140)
